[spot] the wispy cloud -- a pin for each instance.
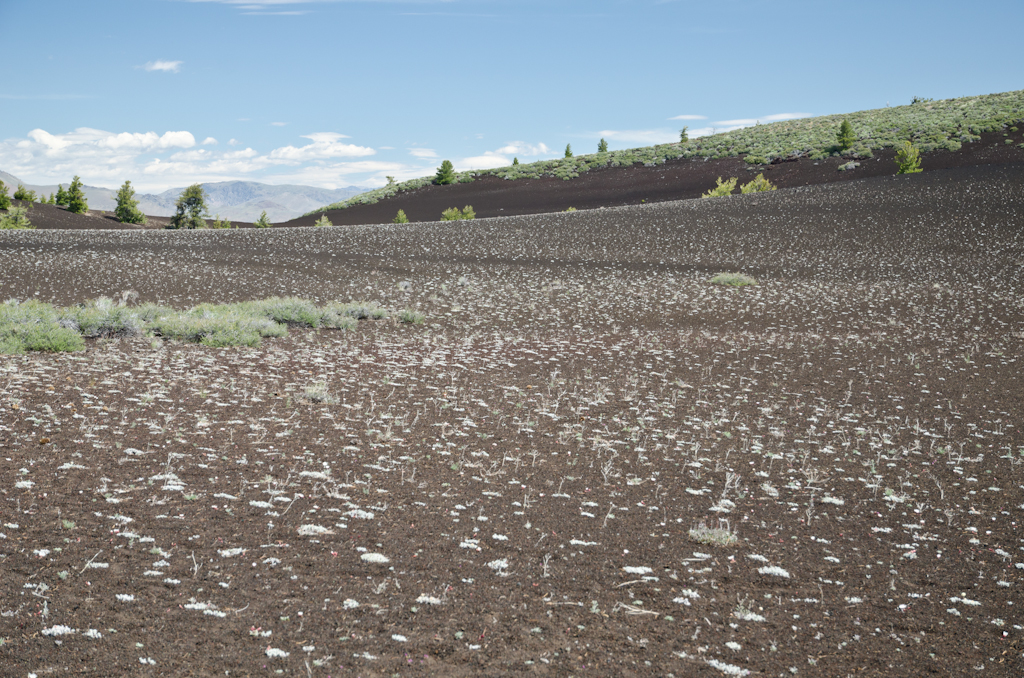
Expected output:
(640, 136)
(422, 152)
(165, 66)
(279, 124)
(689, 117)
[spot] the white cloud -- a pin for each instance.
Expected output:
(165, 66)
(518, 148)
(485, 161)
(502, 157)
(689, 117)
(747, 122)
(422, 152)
(155, 162)
(278, 124)
(325, 145)
(233, 142)
(641, 136)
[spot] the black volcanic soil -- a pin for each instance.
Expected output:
(678, 179)
(533, 464)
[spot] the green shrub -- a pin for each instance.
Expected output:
(127, 210)
(400, 218)
(34, 326)
(758, 185)
(220, 223)
(454, 214)
(102, 318)
(733, 280)
(569, 209)
(263, 221)
(15, 219)
(845, 136)
(322, 221)
(908, 158)
(568, 150)
(23, 193)
(190, 208)
(445, 174)
(76, 202)
(722, 188)
(602, 146)
(412, 317)
(5, 200)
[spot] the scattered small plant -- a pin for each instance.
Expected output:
(733, 279)
(400, 218)
(263, 221)
(324, 221)
(758, 185)
(455, 214)
(411, 317)
(721, 535)
(318, 393)
(722, 188)
(220, 223)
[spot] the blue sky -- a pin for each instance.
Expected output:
(345, 92)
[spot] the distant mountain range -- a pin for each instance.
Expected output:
(235, 200)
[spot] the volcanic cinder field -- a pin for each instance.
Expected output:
(589, 460)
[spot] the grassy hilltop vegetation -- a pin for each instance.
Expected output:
(930, 125)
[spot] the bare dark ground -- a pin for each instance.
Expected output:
(532, 460)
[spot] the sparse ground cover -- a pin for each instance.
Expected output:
(930, 125)
(588, 460)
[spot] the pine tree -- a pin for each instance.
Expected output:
(908, 158)
(5, 200)
(323, 221)
(76, 198)
(23, 193)
(263, 221)
(683, 136)
(515, 161)
(190, 208)
(127, 210)
(445, 174)
(602, 147)
(62, 196)
(568, 150)
(845, 136)
(400, 218)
